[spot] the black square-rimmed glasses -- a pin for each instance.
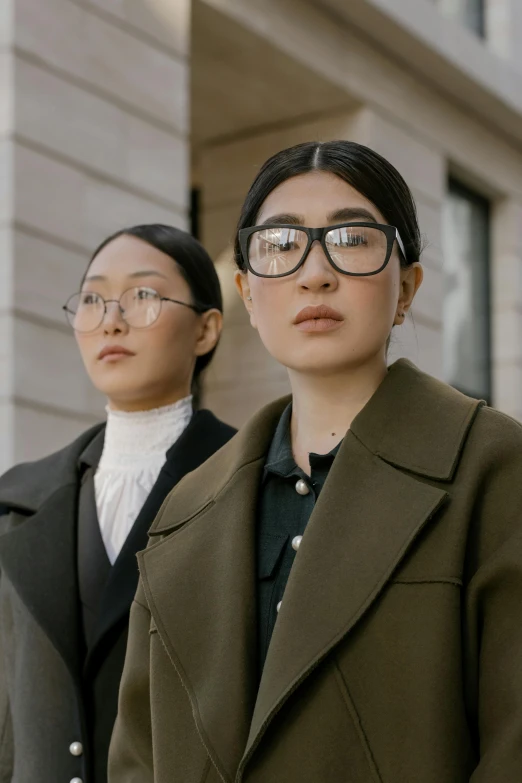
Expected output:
(357, 249)
(139, 307)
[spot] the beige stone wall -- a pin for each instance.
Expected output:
(93, 137)
(412, 100)
(95, 115)
(504, 29)
(507, 305)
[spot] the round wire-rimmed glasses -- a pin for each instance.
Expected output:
(356, 249)
(139, 307)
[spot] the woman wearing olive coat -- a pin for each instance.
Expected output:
(390, 650)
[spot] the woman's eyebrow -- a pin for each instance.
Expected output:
(343, 215)
(347, 214)
(293, 220)
(148, 273)
(141, 273)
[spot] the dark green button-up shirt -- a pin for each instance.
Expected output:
(283, 515)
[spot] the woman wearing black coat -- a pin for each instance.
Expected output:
(147, 320)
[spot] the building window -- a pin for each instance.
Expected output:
(195, 212)
(469, 13)
(466, 304)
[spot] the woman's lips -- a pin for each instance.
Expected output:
(114, 353)
(318, 318)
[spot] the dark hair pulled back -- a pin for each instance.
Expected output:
(192, 260)
(362, 168)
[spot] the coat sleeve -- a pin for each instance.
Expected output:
(130, 757)
(6, 732)
(493, 615)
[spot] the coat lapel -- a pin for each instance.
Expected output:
(38, 552)
(364, 522)
(39, 558)
(374, 505)
(204, 435)
(200, 583)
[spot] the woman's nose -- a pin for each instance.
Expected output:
(113, 322)
(317, 272)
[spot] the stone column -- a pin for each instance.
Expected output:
(93, 137)
(506, 305)
(504, 29)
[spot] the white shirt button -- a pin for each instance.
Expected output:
(76, 748)
(296, 542)
(278, 607)
(302, 487)
(76, 780)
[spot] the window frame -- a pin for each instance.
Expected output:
(481, 30)
(457, 187)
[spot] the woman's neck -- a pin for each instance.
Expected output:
(323, 407)
(149, 403)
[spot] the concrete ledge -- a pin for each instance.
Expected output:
(445, 54)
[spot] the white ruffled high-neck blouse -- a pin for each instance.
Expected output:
(133, 454)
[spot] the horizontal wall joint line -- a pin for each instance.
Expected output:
(54, 410)
(108, 96)
(97, 174)
(21, 227)
(127, 27)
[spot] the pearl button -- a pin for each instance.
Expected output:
(76, 749)
(302, 487)
(296, 542)
(278, 607)
(76, 780)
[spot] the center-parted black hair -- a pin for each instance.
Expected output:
(192, 260)
(362, 168)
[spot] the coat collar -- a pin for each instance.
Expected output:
(27, 487)
(425, 435)
(39, 552)
(203, 436)
(413, 428)
(429, 425)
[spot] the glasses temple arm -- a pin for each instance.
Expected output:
(400, 243)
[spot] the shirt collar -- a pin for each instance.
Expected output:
(136, 439)
(280, 460)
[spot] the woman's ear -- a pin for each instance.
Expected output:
(210, 330)
(243, 287)
(411, 280)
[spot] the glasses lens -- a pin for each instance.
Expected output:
(276, 251)
(140, 306)
(358, 250)
(85, 311)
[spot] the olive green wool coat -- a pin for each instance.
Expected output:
(397, 652)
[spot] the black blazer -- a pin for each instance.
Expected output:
(52, 693)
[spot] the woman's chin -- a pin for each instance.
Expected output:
(119, 390)
(319, 366)
(327, 364)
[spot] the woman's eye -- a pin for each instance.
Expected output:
(348, 240)
(89, 299)
(353, 240)
(277, 247)
(145, 294)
